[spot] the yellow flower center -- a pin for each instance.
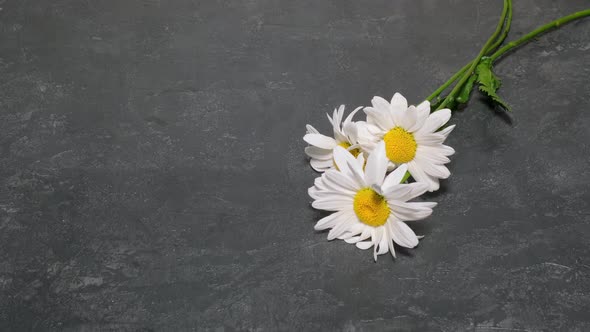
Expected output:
(346, 145)
(400, 145)
(370, 207)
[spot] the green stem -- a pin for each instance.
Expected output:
(505, 31)
(482, 52)
(406, 177)
(526, 38)
(450, 81)
(462, 71)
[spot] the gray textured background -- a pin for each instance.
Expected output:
(153, 175)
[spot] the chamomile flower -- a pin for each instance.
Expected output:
(322, 146)
(411, 135)
(369, 207)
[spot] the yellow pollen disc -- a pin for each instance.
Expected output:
(370, 207)
(346, 145)
(400, 145)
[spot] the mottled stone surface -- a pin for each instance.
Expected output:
(153, 176)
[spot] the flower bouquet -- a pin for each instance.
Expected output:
(372, 169)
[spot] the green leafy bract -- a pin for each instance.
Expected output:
(488, 82)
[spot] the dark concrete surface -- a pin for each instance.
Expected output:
(153, 174)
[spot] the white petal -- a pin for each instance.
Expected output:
(346, 235)
(424, 109)
(418, 188)
(357, 227)
(377, 236)
(368, 135)
(319, 183)
(383, 246)
(331, 220)
(438, 171)
(376, 166)
(333, 194)
(313, 192)
(352, 239)
(357, 173)
(319, 140)
(311, 129)
(318, 153)
(365, 234)
(321, 165)
(409, 211)
(445, 132)
(360, 159)
(351, 132)
(429, 139)
(420, 176)
(339, 114)
(337, 120)
(327, 194)
(338, 181)
(351, 115)
(408, 119)
(394, 177)
(433, 154)
(421, 116)
(405, 192)
(341, 157)
(398, 192)
(380, 103)
(354, 228)
(391, 248)
(330, 119)
(341, 227)
(446, 150)
(332, 204)
(429, 205)
(436, 120)
(402, 234)
(399, 102)
(379, 117)
(364, 245)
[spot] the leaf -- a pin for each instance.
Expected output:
(485, 76)
(495, 98)
(488, 82)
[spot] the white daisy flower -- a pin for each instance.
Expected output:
(322, 146)
(411, 137)
(369, 208)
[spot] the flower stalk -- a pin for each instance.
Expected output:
(506, 18)
(494, 46)
(526, 38)
(451, 96)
